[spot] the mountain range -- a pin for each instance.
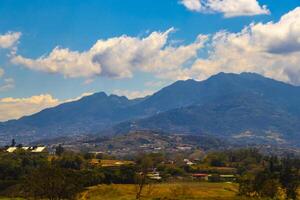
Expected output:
(244, 107)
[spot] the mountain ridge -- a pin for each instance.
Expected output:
(100, 113)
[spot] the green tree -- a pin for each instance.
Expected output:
(290, 177)
(59, 150)
(70, 161)
(144, 163)
(53, 183)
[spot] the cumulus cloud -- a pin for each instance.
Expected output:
(271, 49)
(14, 108)
(130, 94)
(64, 61)
(9, 39)
(117, 57)
(230, 8)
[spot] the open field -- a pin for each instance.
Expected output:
(166, 191)
(110, 163)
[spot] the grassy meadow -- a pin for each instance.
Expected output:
(164, 191)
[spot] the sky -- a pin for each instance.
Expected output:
(56, 51)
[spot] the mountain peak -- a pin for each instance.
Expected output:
(100, 94)
(252, 75)
(243, 74)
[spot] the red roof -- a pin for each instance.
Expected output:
(199, 175)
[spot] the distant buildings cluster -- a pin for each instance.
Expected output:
(35, 149)
(215, 177)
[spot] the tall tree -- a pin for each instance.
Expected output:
(145, 163)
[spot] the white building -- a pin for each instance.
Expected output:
(39, 149)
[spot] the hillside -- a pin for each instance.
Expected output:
(240, 106)
(135, 142)
(246, 117)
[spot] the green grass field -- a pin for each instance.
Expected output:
(165, 191)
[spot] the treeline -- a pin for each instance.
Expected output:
(40, 176)
(258, 175)
(67, 174)
(277, 179)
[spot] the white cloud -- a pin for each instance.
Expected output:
(117, 57)
(130, 94)
(193, 5)
(9, 39)
(230, 8)
(14, 108)
(64, 61)
(271, 49)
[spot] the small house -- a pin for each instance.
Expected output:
(39, 149)
(203, 177)
(11, 149)
(227, 178)
(188, 162)
(154, 176)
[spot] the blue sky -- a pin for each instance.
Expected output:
(76, 25)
